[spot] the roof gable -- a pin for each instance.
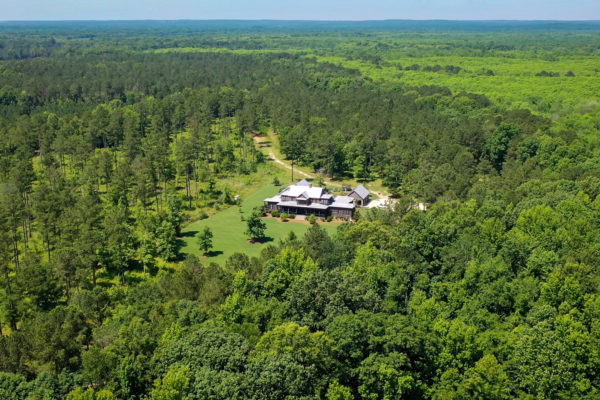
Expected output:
(304, 182)
(315, 192)
(361, 191)
(307, 192)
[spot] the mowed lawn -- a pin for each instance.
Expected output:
(229, 230)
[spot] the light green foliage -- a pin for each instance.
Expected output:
(547, 356)
(80, 394)
(284, 269)
(487, 380)
(290, 338)
(105, 395)
(296, 354)
(283, 378)
(219, 385)
(540, 224)
(90, 394)
(335, 391)
(173, 386)
(513, 82)
(124, 144)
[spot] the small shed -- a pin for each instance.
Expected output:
(360, 195)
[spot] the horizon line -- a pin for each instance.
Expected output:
(298, 20)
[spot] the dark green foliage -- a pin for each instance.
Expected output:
(256, 226)
(205, 240)
(208, 284)
(12, 386)
(115, 134)
(98, 366)
(38, 282)
(319, 246)
(547, 74)
(282, 377)
(238, 262)
(497, 143)
(203, 347)
(219, 385)
(59, 337)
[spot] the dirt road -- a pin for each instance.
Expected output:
(288, 166)
(261, 141)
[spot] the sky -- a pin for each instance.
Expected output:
(299, 9)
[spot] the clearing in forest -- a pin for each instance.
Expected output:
(229, 230)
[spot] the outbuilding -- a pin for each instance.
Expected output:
(360, 195)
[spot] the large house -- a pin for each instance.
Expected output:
(305, 199)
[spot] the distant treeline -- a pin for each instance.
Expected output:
(108, 147)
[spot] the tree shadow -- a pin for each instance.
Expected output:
(180, 244)
(103, 284)
(134, 280)
(188, 234)
(213, 253)
(266, 239)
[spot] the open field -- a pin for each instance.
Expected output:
(227, 225)
(513, 84)
(228, 229)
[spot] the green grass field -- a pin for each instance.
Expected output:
(228, 229)
(514, 83)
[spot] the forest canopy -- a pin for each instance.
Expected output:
(119, 136)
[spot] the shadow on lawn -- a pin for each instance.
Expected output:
(180, 244)
(213, 253)
(188, 233)
(266, 239)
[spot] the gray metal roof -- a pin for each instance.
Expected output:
(362, 191)
(274, 199)
(347, 206)
(295, 191)
(344, 199)
(304, 190)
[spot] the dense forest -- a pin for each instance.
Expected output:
(116, 136)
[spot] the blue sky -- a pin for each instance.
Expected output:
(295, 9)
